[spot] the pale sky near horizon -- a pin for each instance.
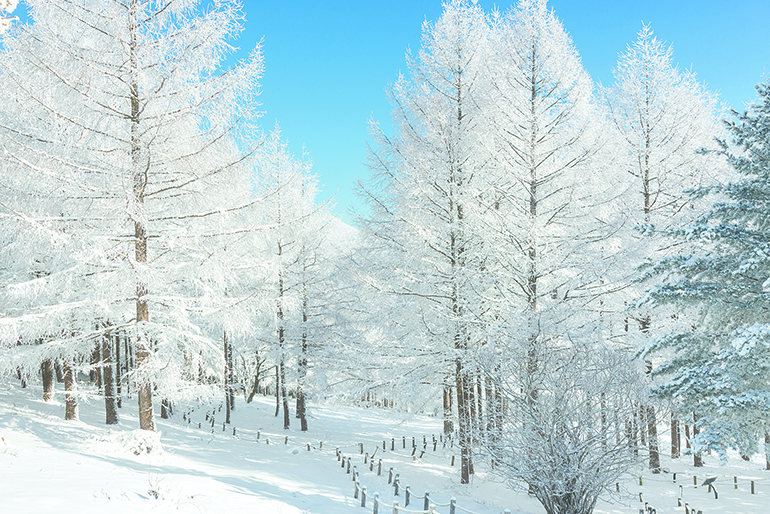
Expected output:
(328, 63)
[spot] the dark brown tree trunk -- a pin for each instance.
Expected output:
(284, 397)
(142, 342)
(676, 438)
(448, 423)
(697, 461)
(652, 430)
(70, 395)
(119, 377)
(463, 416)
(46, 370)
(59, 372)
(165, 408)
(228, 378)
(110, 404)
(277, 391)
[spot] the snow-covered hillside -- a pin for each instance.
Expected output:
(49, 465)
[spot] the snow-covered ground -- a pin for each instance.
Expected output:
(50, 465)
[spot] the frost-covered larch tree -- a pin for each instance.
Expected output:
(425, 179)
(135, 149)
(718, 369)
(663, 118)
(547, 220)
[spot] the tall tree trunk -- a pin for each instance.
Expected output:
(463, 423)
(59, 372)
(302, 367)
(652, 431)
(110, 404)
(284, 396)
(277, 391)
(687, 436)
(119, 368)
(676, 439)
(767, 453)
(448, 424)
(228, 378)
(46, 370)
(143, 346)
(697, 461)
(70, 393)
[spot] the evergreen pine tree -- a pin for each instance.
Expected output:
(718, 369)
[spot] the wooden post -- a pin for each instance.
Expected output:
(395, 507)
(735, 481)
(427, 501)
(361, 448)
(379, 468)
(452, 506)
(395, 485)
(363, 497)
(752, 487)
(390, 475)
(376, 502)
(407, 495)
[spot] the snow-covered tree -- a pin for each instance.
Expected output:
(132, 161)
(425, 181)
(718, 366)
(567, 447)
(663, 118)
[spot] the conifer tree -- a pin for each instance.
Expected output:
(718, 368)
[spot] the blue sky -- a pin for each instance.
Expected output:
(328, 63)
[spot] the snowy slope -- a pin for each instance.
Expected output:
(49, 465)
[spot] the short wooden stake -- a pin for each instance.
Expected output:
(453, 460)
(379, 468)
(452, 506)
(640, 480)
(427, 501)
(735, 481)
(390, 476)
(286, 440)
(752, 487)
(363, 497)
(695, 481)
(376, 502)
(407, 495)
(308, 446)
(360, 448)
